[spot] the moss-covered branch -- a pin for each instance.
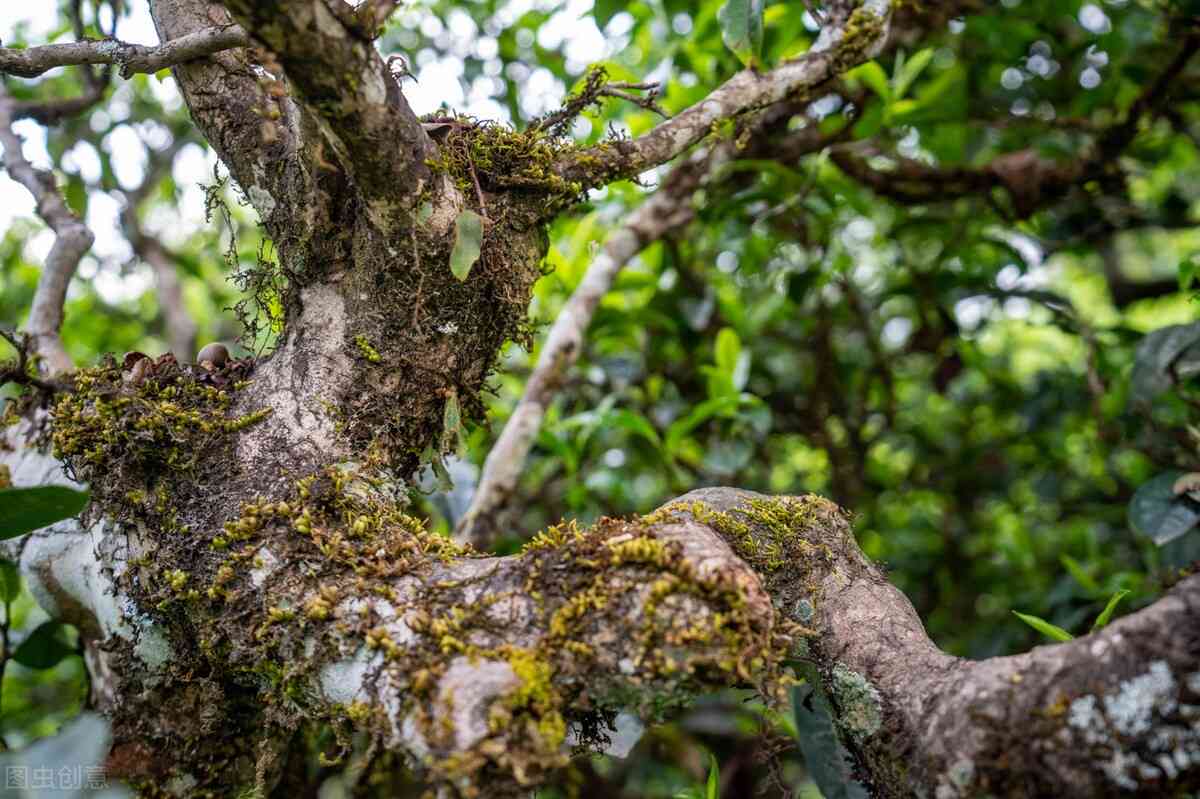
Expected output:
(853, 34)
(328, 605)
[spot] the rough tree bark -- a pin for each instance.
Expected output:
(247, 572)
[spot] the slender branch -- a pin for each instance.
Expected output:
(131, 58)
(181, 327)
(664, 212)
(19, 372)
(1031, 180)
(667, 211)
(848, 40)
(72, 240)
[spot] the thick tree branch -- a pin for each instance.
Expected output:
(332, 63)
(473, 665)
(246, 116)
(131, 58)
(849, 38)
(71, 240)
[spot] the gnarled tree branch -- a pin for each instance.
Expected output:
(332, 63)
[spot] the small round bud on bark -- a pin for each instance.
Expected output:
(214, 353)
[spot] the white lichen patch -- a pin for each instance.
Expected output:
(345, 681)
(1132, 708)
(1134, 724)
(466, 693)
(304, 379)
(860, 712)
(265, 564)
(262, 200)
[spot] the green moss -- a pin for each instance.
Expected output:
(861, 32)
(498, 157)
(135, 435)
(366, 350)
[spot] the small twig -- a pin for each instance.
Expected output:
(401, 72)
(478, 188)
(20, 372)
(596, 87)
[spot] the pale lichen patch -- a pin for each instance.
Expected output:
(860, 712)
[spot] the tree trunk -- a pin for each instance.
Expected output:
(252, 591)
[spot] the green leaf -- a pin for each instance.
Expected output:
(875, 78)
(741, 24)
(1156, 353)
(163, 74)
(76, 195)
(870, 123)
(452, 415)
(424, 212)
(908, 72)
(452, 426)
(604, 10)
(827, 760)
(1106, 615)
(699, 415)
(712, 790)
(728, 348)
(23, 510)
(45, 647)
(1157, 513)
(1080, 574)
(635, 423)
(468, 239)
(1044, 627)
(10, 580)
(1188, 269)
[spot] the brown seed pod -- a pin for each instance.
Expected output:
(214, 354)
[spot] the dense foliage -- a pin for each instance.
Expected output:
(962, 361)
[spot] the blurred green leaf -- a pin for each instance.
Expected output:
(1154, 358)
(827, 760)
(1157, 513)
(45, 647)
(468, 239)
(742, 29)
(10, 580)
(1106, 615)
(76, 194)
(875, 78)
(23, 510)
(605, 10)
(1044, 627)
(908, 71)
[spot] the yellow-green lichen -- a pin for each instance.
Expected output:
(366, 349)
